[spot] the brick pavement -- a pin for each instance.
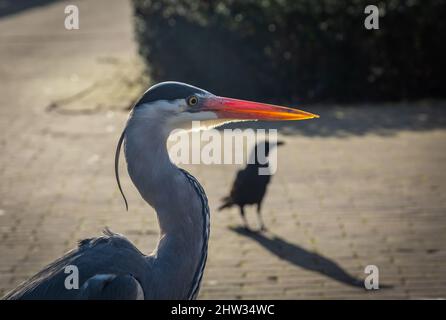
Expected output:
(360, 186)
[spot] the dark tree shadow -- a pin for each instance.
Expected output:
(302, 258)
(8, 7)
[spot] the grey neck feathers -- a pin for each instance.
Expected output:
(183, 241)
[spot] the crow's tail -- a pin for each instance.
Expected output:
(227, 203)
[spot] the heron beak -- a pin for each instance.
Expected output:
(228, 108)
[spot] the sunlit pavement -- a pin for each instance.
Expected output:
(357, 187)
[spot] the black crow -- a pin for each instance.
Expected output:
(249, 186)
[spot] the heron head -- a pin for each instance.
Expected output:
(172, 105)
(177, 105)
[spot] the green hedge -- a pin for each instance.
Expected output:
(289, 49)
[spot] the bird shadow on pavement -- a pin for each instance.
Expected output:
(300, 257)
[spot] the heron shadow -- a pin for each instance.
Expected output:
(300, 257)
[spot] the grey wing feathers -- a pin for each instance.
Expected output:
(111, 287)
(111, 254)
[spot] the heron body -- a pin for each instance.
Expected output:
(110, 266)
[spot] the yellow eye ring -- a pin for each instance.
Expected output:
(192, 100)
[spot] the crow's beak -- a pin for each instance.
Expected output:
(228, 108)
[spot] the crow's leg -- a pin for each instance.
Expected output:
(259, 215)
(242, 213)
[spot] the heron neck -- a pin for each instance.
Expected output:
(183, 240)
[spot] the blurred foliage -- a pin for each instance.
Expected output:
(296, 49)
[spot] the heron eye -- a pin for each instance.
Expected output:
(192, 100)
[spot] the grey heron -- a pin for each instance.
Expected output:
(110, 266)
